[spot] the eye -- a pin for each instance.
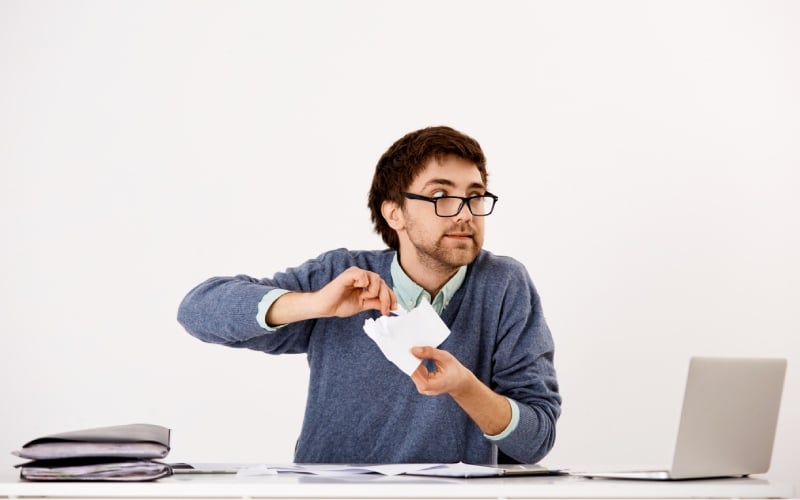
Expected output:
(438, 194)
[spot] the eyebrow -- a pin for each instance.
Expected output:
(449, 183)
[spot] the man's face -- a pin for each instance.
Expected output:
(443, 243)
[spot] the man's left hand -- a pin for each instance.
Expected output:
(491, 411)
(450, 375)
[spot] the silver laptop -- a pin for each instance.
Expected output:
(728, 420)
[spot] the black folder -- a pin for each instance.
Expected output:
(132, 441)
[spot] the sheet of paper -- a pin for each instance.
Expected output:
(396, 335)
(316, 469)
(459, 469)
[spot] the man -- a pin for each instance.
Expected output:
(487, 394)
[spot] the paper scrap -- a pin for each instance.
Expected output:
(396, 335)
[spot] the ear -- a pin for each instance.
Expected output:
(393, 214)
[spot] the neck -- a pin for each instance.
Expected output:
(425, 272)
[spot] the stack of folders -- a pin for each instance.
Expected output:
(118, 453)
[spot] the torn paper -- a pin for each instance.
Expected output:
(396, 335)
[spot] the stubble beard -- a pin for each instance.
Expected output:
(443, 259)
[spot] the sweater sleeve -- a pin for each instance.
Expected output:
(225, 310)
(524, 371)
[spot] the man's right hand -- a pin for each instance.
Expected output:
(353, 291)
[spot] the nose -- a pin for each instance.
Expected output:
(463, 215)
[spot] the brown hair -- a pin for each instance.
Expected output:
(401, 163)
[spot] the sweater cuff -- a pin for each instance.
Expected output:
(512, 425)
(263, 306)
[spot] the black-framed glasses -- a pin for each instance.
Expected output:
(449, 206)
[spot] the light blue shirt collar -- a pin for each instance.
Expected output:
(409, 294)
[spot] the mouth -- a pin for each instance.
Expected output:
(459, 236)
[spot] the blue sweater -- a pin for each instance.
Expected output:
(363, 409)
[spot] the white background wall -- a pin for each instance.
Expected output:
(645, 153)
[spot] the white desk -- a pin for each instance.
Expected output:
(229, 486)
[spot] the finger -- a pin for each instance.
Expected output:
(386, 296)
(370, 295)
(380, 299)
(377, 288)
(420, 378)
(427, 382)
(420, 374)
(362, 280)
(371, 284)
(426, 352)
(355, 277)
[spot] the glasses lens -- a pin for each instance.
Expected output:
(447, 206)
(481, 205)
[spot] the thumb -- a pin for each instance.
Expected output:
(422, 352)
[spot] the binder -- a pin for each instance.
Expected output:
(115, 453)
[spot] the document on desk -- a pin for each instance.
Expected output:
(397, 334)
(458, 469)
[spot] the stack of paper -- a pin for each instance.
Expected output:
(117, 453)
